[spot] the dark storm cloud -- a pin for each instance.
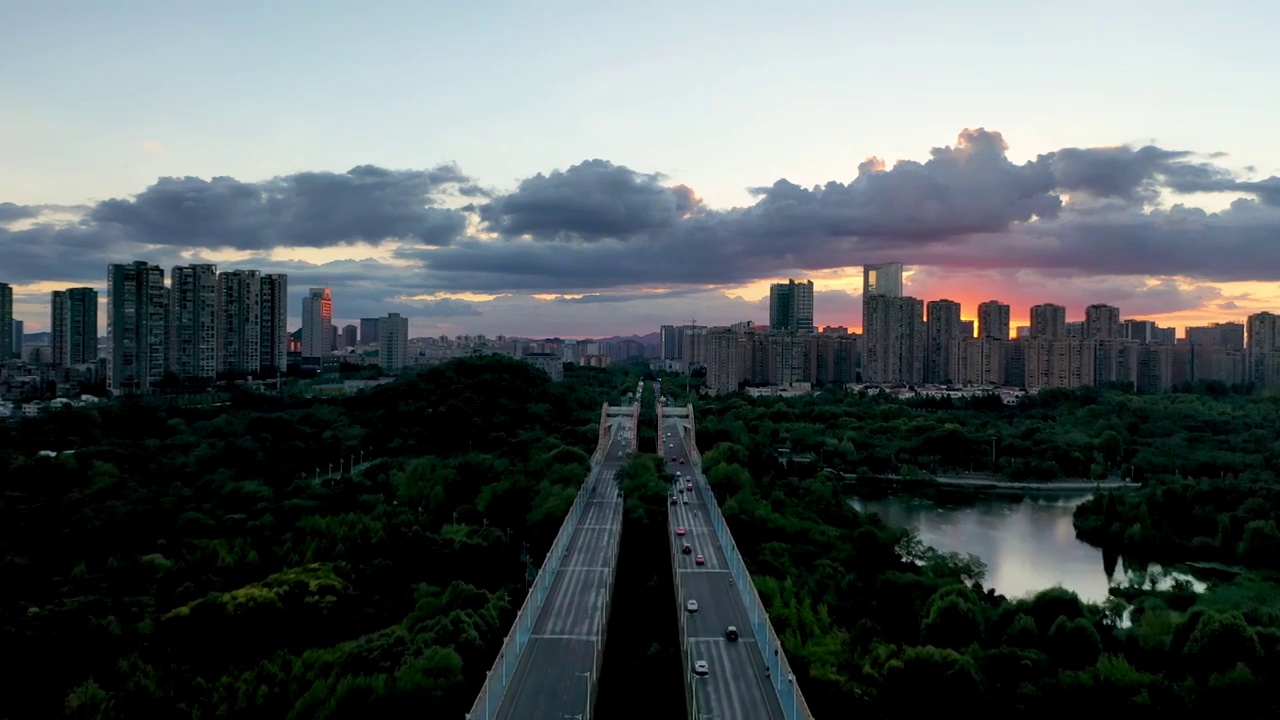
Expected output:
(967, 206)
(592, 200)
(309, 209)
(11, 211)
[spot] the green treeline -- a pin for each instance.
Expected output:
(185, 562)
(878, 625)
(1086, 433)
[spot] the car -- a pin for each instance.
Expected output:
(681, 461)
(686, 500)
(675, 459)
(731, 634)
(699, 560)
(680, 489)
(677, 473)
(687, 549)
(691, 606)
(701, 669)
(619, 453)
(675, 499)
(680, 531)
(671, 445)
(689, 487)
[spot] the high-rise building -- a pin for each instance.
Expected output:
(18, 336)
(669, 342)
(193, 337)
(368, 331)
(966, 328)
(393, 353)
(1049, 322)
(317, 318)
(74, 322)
(240, 322)
(883, 279)
(1229, 335)
(273, 348)
(1143, 331)
(943, 327)
(791, 307)
(1262, 348)
(349, 337)
(1101, 322)
(137, 326)
(7, 350)
(895, 340)
(993, 320)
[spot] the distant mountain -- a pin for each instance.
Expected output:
(651, 338)
(40, 338)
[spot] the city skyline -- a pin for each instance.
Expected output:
(581, 192)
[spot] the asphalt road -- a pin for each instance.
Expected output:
(551, 678)
(736, 687)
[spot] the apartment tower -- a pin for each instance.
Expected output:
(193, 337)
(393, 354)
(791, 307)
(993, 320)
(137, 326)
(74, 321)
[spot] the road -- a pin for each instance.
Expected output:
(551, 680)
(736, 687)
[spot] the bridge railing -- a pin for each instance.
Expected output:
(781, 676)
(504, 667)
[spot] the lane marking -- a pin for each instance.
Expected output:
(593, 568)
(721, 638)
(705, 570)
(587, 638)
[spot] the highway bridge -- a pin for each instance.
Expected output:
(550, 660)
(747, 678)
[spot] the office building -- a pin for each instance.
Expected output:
(240, 322)
(368, 331)
(74, 325)
(393, 353)
(943, 327)
(791, 307)
(273, 348)
(18, 336)
(7, 349)
(317, 319)
(349, 337)
(993, 320)
(1102, 322)
(194, 311)
(1049, 322)
(137, 326)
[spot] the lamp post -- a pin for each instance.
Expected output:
(587, 675)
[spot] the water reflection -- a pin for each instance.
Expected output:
(1028, 545)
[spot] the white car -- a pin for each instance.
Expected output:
(701, 669)
(691, 606)
(671, 445)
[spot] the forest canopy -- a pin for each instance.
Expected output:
(228, 561)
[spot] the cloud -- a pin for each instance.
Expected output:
(309, 209)
(613, 234)
(10, 212)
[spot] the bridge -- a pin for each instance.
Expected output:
(549, 663)
(748, 678)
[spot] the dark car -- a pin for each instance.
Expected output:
(731, 634)
(687, 549)
(675, 499)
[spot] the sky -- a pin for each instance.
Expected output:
(594, 169)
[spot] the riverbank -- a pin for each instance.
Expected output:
(979, 484)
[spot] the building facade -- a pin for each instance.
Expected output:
(7, 349)
(273, 347)
(993, 320)
(791, 307)
(317, 319)
(393, 353)
(137, 326)
(240, 322)
(194, 317)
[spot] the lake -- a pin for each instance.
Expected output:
(1028, 545)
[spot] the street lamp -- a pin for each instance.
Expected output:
(587, 675)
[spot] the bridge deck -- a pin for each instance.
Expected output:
(551, 679)
(736, 686)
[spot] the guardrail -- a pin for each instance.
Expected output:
(504, 667)
(605, 605)
(780, 674)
